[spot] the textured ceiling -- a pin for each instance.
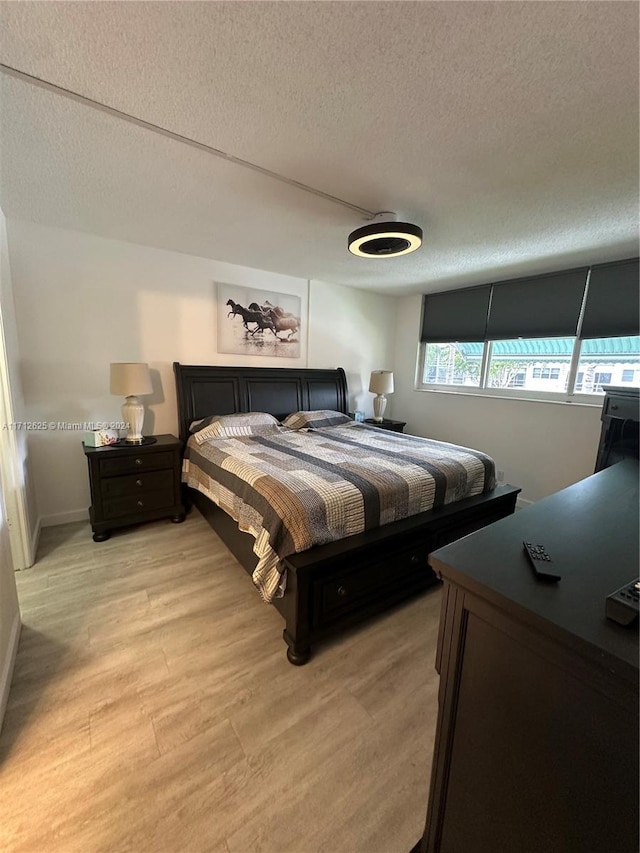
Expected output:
(508, 131)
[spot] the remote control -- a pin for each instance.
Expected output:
(541, 562)
(623, 605)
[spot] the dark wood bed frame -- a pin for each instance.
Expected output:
(332, 586)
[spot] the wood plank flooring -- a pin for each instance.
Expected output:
(153, 709)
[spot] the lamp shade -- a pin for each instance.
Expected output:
(128, 379)
(381, 382)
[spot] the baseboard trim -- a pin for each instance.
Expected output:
(64, 517)
(8, 665)
(523, 503)
(35, 541)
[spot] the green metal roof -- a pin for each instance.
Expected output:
(560, 347)
(612, 346)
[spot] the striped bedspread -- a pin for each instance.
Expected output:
(296, 489)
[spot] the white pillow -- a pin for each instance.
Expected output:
(230, 426)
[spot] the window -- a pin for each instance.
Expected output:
(607, 361)
(567, 332)
(600, 379)
(453, 364)
(546, 372)
(539, 364)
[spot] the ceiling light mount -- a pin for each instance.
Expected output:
(385, 237)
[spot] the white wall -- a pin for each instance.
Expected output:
(542, 447)
(18, 486)
(352, 329)
(83, 301)
(9, 611)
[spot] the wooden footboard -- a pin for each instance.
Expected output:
(333, 586)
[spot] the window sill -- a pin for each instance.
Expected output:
(581, 400)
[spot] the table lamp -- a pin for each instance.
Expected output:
(381, 383)
(131, 379)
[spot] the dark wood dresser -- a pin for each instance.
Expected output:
(619, 433)
(131, 484)
(537, 735)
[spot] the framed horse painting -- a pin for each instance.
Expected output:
(258, 322)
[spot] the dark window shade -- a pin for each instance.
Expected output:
(456, 315)
(545, 306)
(613, 304)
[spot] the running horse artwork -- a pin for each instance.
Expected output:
(262, 321)
(254, 322)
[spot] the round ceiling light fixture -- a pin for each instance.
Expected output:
(385, 237)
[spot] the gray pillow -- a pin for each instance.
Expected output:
(315, 420)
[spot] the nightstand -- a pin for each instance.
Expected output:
(393, 426)
(134, 483)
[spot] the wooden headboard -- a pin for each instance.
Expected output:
(204, 391)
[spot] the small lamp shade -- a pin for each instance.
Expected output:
(130, 379)
(381, 382)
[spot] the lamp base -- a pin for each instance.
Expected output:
(133, 414)
(379, 405)
(124, 442)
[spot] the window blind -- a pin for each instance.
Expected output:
(455, 315)
(544, 306)
(613, 301)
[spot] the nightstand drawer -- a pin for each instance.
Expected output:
(116, 507)
(134, 462)
(134, 484)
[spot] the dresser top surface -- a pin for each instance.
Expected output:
(591, 532)
(162, 442)
(622, 391)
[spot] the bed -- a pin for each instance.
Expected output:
(330, 586)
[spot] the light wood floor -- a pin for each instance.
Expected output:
(153, 709)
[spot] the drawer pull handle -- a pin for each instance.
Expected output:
(342, 591)
(138, 461)
(138, 482)
(614, 407)
(140, 503)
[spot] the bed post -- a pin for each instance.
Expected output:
(295, 610)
